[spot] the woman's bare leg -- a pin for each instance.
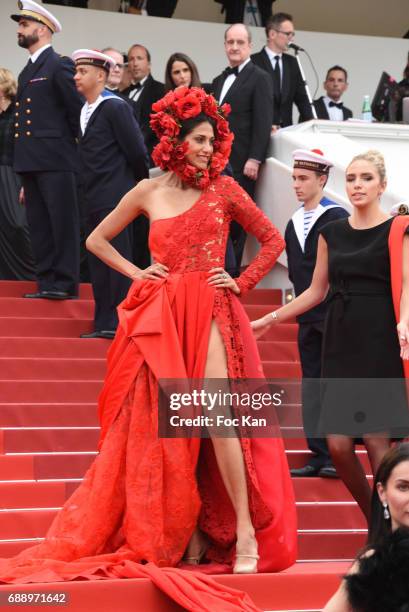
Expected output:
(229, 454)
(350, 469)
(376, 446)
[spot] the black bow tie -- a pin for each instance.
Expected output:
(231, 70)
(337, 104)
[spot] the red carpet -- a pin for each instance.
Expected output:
(49, 383)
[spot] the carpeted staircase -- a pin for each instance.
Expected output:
(49, 382)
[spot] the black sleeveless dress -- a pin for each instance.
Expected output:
(363, 390)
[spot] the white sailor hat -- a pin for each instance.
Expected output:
(311, 160)
(91, 57)
(36, 12)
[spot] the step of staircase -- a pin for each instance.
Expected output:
(39, 466)
(67, 309)
(66, 348)
(303, 588)
(313, 545)
(48, 439)
(278, 351)
(18, 288)
(49, 391)
(48, 415)
(55, 368)
(259, 297)
(62, 327)
(33, 522)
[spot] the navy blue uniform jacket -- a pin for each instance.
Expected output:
(47, 116)
(302, 255)
(112, 153)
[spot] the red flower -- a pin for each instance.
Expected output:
(210, 107)
(225, 109)
(188, 107)
(164, 124)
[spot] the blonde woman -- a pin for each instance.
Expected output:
(364, 261)
(16, 261)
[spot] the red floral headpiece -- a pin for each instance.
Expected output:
(170, 154)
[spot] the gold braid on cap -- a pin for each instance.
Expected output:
(38, 17)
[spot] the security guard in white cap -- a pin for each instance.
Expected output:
(46, 125)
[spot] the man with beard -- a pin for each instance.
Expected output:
(45, 153)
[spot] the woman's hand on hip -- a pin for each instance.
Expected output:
(221, 279)
(154, 272)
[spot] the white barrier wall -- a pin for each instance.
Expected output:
(364, 57)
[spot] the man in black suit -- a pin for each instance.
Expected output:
(113, 159)
(330, 106)
(249, 92)
(45, 153)
(284, 72)
(143, 91)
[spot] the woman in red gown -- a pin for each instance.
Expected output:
(146, 502)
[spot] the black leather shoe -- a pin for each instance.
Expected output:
(50, 295)
(58, 295)
(36, 295)
(108, 334)
(305, 472)
(328, 471)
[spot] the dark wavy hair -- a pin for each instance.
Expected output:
(181, 57)
(188, 125)
(379, 527)
(381, 583)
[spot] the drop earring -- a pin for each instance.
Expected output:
(386, 514)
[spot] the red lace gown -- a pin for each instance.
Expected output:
(143, 496)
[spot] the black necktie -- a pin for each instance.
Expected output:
(231, 70)
(337, 104)
(277, 77)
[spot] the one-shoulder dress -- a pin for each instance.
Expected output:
(143, 496)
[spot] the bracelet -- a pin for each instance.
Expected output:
(274, 315)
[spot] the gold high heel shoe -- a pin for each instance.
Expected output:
(246, 564)
(202, 545)
(196, 559)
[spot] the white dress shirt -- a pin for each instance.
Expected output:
(230, 80)
(34, 56)
(335, 114)
(135, 93)
(272, 57)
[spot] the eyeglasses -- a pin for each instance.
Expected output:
(288, 34)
